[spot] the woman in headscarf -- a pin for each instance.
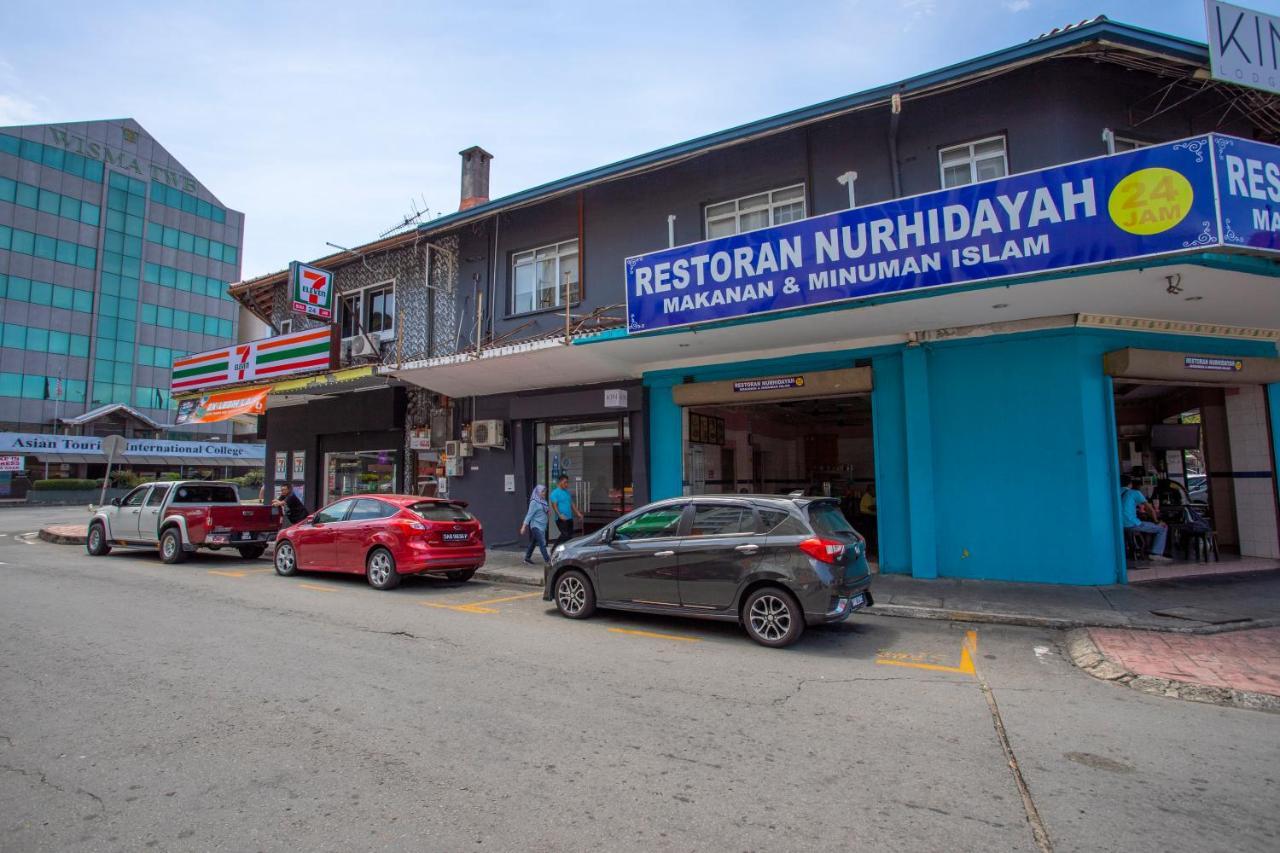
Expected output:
(535, 524)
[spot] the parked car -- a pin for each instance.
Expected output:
(385, 537)
(772, 564)
(180, 517)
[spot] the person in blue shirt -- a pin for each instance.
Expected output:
(564, 510)
(535, 524)
(1130, 500)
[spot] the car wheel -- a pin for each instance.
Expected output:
(461, 575)
(380, 568)
(171, 550)
(252, 552)
(286, 559)
(772, 617)
(96, 542)
(574, 596)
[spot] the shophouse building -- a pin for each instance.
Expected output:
(987, 291)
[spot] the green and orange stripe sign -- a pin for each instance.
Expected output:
(268, 358)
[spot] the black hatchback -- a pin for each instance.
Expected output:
(773, 564)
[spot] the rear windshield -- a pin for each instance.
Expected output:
(441, 512)
(201, 493)
(828, 520)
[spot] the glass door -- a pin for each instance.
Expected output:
(596, 457)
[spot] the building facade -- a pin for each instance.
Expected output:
(993, 413)
(114, 259)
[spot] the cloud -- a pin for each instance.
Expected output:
(1017, 5)
(16, 110)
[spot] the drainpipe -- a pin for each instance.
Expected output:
(848, 179)
(895, 110)
(1109, 137)
(671, 230)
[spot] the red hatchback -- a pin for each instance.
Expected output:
(384, 537)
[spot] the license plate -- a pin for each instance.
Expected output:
(857, 601)
(456, 537)
(244, 536)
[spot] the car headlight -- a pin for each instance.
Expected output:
(559, 549)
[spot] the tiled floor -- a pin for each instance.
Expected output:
(1242, 660)
(1228, 565)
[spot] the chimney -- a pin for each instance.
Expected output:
(475, 177)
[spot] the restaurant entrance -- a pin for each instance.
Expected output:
(1201, 455)
(596, 457)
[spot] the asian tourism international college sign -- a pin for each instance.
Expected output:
(266, 359)
(1186, 196)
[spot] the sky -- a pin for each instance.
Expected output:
(328, 122)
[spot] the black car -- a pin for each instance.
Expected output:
(774, 564)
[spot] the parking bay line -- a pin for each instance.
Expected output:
(317, 587)
(968, 648)
(654, 635)
(478, 606)
(238, 573)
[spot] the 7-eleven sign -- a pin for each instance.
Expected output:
(312, 290)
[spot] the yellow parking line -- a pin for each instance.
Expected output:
(317, 588)
(478, 606)
(238, 573)
(655, 635)
(226, 574)
(968, 648)
(257, 571)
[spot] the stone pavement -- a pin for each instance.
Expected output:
(1241, 668)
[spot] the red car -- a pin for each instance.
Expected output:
(384, 537)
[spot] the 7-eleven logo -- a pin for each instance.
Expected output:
(313, 291)
(314, 287)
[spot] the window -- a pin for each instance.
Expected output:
(755, 211)
(663, 521)
(157, 496)
(135, 497)
(367, 510)
(333, 513)
(380, 303)
(721, 520)
(286, 327)
(439, 511)
(539, 277)
(206, 494)
(351, 322)
(973, 161)
(828, 520)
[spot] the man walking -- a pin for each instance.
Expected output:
(565, 510)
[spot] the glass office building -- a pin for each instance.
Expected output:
(114, 259)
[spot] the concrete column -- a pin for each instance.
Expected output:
(666, 445)
(919, 435)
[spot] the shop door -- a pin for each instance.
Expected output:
(596, 457)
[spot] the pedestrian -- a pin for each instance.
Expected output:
(293, 508)
(535, 524)
(564, 509)
(1132, 502)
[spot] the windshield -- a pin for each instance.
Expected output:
(827, 520)
(206, 493)
(432, 511)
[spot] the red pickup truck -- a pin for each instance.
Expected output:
(180, 517)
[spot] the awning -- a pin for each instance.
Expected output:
(138, 451)
(224, 405)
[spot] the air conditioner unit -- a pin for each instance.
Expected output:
(488, 434)
(453, 449)
(362, 346)
(465, 449)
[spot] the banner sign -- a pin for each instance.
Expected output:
(221, 406)
(1199, 362)
(299, 464)
(80, 445)
(10, 463)
(1248, 192)
(267, 358)
(312, 291)
(1159, 200)
(282, 466)
(1243, 46)
(776, 384)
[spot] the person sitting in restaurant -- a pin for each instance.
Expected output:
(1132, 503)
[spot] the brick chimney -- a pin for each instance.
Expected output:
(475, 177)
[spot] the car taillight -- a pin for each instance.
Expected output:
(823, 550)
(415, 525)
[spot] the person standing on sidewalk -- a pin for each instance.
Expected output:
(1131, 501)
(565, 510)
(535, 524)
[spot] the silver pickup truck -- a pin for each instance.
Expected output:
(182, 517)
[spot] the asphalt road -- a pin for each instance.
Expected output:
(215, 706)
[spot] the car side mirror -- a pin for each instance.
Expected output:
(115, 502)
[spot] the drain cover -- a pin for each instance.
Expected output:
(1200, 614)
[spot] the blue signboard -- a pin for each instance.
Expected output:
(1153, 201)
(1248, 192)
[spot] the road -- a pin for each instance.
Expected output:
(215, 706)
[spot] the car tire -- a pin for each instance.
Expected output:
(96, 540)
(171, 550)
(286, 559)
(380, 569)
(460, 575)
(252, 552)
(772, 617)
(574, 596)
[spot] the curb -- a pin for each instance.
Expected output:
(1057, 624)
(507, 576)
(1084, 653)
(60, 539)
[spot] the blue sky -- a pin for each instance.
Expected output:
(326, 122)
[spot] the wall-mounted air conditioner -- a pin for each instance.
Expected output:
(362, 346)
(488, 434)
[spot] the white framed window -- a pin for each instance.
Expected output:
(539, 277)
(286, 326)
(371, 309)
(755, 211)
(980, 160)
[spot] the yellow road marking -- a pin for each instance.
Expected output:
(968, 649)
(478, 606)
(655, 635)
(226, 574)
(238, 573)
(317, 588)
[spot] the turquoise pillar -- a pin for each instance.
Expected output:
(919, 434)
(889, 435)
(666, 444)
